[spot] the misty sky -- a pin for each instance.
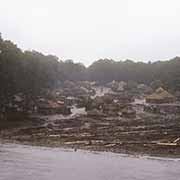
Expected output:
(87, 30)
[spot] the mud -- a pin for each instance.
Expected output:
(146, 134)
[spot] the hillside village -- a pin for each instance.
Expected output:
(115, 117)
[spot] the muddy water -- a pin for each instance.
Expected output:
(35, 163)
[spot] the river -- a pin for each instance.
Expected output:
(19, 162)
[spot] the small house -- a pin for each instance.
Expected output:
(48, 107)
(160, 96)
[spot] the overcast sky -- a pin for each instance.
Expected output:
(87, 30)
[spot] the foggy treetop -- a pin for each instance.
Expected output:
(30, 71)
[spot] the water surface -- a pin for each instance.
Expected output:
(18, 162)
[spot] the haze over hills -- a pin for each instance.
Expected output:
(30, 71)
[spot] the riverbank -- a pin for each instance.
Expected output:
(28, 162)
(121, 152)
(147, 134)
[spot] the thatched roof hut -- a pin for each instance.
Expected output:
(160, 96)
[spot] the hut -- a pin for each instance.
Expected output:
(113, 109)
(123, 98)
(48, 107)
(160, 96)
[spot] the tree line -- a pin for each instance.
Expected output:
(32, 71)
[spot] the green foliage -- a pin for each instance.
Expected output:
(164, 73)
(31, 71)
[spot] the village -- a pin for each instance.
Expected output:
(117, 117)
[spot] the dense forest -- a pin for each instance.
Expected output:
(32, 71)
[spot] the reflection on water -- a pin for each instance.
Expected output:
(27, 163)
